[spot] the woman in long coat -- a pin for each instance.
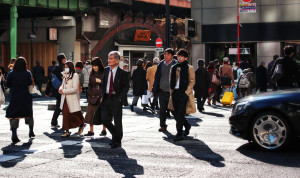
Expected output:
(94, 94)
(70, 101)
(202, 85)
(213, 86)
(139, 83)
(20, 105)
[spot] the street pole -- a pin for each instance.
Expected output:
(13, 31)
(167, 24)
(238, 31)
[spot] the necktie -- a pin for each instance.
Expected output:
(111, 83)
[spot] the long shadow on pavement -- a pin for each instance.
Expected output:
(117, 158)
(286, 158)
(197, 149)
(213, 114)
(71, 146)
(15, 154)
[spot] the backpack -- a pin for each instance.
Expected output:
(244, 81)
(235, 73)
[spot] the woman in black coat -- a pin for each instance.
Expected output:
(139, 83)
(20, 105)
(202, 85)
(262, 78)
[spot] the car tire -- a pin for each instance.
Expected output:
(270, 131)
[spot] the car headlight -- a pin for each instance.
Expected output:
(241, 106)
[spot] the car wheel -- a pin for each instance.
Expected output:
(270, 131)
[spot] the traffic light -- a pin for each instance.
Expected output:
(190, 28)
(173, 29)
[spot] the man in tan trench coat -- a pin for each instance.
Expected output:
(182, 101)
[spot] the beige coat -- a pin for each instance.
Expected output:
(150, 76)
(190, 105)
(71, 94)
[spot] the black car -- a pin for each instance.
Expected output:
(270, 120)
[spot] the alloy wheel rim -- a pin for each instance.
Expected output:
(269, 132)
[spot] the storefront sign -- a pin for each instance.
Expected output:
(52, 34)
(248, 8)
(248, 1)
(142, 35)
(243, 51)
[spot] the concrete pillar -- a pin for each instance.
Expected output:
(13, 31)
(198, 51)
(266, 51)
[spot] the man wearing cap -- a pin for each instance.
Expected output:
(226, 70)
(61, 58)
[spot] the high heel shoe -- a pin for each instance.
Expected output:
(31, 135)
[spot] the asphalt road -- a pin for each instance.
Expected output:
(209, 151)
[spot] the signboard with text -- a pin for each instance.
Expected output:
(248, 8)
(243, 51)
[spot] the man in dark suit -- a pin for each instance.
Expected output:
(114, 95)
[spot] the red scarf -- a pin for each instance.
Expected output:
(78, 68)
(212, 69)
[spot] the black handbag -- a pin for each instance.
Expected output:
(225, 80)
(97, 116)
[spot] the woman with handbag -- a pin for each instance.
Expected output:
(214, 77)
(20, 104)
(94, 95)
(70, 101)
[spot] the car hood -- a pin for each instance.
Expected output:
(275, 95)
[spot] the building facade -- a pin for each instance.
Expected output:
(262, 34)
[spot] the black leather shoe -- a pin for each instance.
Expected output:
(187, 131)
(103, 133)
(15, 139)
(31, 135)
(116, 145)
(162, 129)
(178, 137)
(132, 108)
(89, 133)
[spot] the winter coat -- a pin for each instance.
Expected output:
(71, 94)
(58, 72)
(80, 75)
(226, 70)
(38, 73)
(270, 66)
(291, 72)
(150, 76)
(95, 89)
(239, 72)
(261, 78)
(20, 104)
(190, 105)
(202, 82)
(139, 81)
(86, 71)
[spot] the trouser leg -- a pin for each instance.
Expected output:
(179, 102)
(163, 102)
(56, 111)
(135, 100)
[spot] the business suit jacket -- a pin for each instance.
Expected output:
(121, 84)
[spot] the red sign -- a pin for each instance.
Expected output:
(158, 42)
(248, 1)
(142, 35)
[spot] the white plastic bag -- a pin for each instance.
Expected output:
(145, 99)
(34, 91)
(2, 97)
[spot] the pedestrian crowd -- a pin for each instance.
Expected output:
(168, 84)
